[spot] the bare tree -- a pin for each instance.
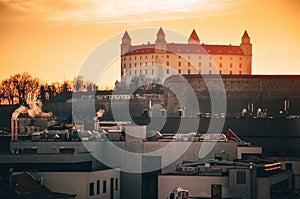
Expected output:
(26, 86)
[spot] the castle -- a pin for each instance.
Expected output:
(151, 60)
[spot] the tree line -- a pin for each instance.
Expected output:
(22, 88)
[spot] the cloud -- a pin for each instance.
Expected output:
(103, 11)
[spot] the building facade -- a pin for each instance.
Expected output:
(163, 58)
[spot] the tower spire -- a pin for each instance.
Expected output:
(194, 39)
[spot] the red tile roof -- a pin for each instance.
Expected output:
(188, 48)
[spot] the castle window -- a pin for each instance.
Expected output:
(240, 72)
(189, 71)
(98, 186)
(179, 71)
(179, 57)
(152, 56)
(140, 72)
(124, 65)
(129, 58)
(134, 64)
(189, 64)
(146, 71)
(167, 71)
(146, 64)
(134, 58)
(240, 65)
(231, 72)
(230, 65)
(220, 71)
(91, 191)
(129, 65)
(140, 57)
(199, 64)
(135, 72)
(179, 63)
(167, 63)
(220, 57)
(146, 57)
(124, 59)
(156, 56)
(240, 58)
(220, 65)
(152, 63)
(167, 56)
(140, 63)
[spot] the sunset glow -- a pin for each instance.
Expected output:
(51, 39)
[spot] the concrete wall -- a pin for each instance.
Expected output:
(79, 182)
(198, 186)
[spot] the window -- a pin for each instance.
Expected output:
(129, 65)
(104, 186)
(220, 65)
(152, 71)
(98, 186)
(134, 64)
(152, 63)
(230, 65)
(167, 56)
(240, 65)
(210, 72)
(146, 64)
(146, 71)
(167, 63)
(199, 64)
(116, 184)
(140, 57)
(140, 72)
(179, 57)
(146, 57)
(240, 72)
(179, 71)
(220, 71)
(134, 58)
(189, 71)
(124, 65)
(231, 72)
(189, 64)
(91, 192)
(230, 58)
(167, 71)
(179, 63)
(129, 58)
(240, 177)
(220, 57)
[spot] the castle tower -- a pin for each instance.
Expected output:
(160, 43)
(246, 47)
(194, 39)
(126, 43)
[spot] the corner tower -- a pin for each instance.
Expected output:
(126, 43)
(246, 47)
(194, 39)
(160, 43)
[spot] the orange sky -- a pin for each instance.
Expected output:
(51, 39)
